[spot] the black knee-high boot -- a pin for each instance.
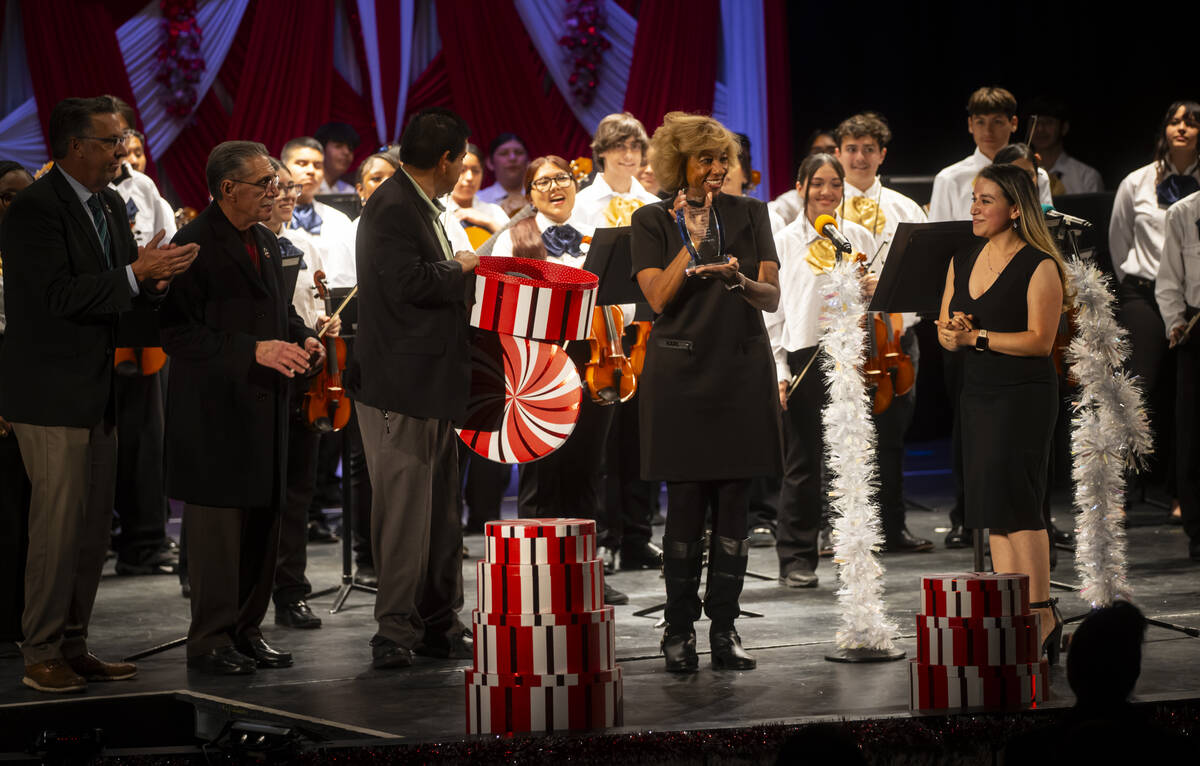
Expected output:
(726, 574)
(681, 570)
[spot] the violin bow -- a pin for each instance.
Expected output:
(345, 301)
(1187, 331)
(800, 375)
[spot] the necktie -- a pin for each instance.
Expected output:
(305, 217)
(560, 240)
(94, 206)
(1175, 187)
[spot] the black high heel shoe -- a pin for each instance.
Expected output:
(1053, 643)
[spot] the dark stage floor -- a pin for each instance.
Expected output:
(333, 685)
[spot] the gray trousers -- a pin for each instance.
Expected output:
(416, 531)
(231, 565)
(73, 476)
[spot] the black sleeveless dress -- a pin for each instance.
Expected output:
(1008, 404)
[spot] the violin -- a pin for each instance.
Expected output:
(609, 374)
(637, 350)
(139, 361)
(887, 368)
(326, 407)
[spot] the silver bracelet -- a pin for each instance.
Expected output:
(740, 285)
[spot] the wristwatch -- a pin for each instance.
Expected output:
(981, 341)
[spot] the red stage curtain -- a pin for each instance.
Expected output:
(674, 59)
(185, 159)
(498, 81)
(782, 166)
(352, 109)
(72, 50)
(286, 81)
(387, 31)
(431, 88)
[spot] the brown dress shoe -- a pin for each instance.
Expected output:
(53, 676)
(93, 668)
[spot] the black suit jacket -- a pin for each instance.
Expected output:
(226, 427)
(411, 354)
(62, 302)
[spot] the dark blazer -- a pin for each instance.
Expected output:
(411, 355)
(62, 302)
(226, 426)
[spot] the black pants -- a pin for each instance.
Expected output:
(890, 427)
(688, 503)
(569, 482)
(1187, 434)
(328, 485)
(291, 584)
(141, 502)
(1154, 364)
(14, 537)
(801, 497)
(629, 497)
(361, 494)
(952, 371)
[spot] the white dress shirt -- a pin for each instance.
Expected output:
(796, 323)
(787, 206)
(339, 187)
(1178, 282)
(154, 214)
(308, 304)
(591, 204)
(897, 209)
(84, 195)
(1137, 227)
(1075, 176)
(493, 194)
(494, 214)
(503, 246)
(953, 186)
(335, 245)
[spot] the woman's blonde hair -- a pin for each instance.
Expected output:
(684, 135)
(1018, 189)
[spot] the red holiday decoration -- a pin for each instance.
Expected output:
(179, 61)
(586, 45)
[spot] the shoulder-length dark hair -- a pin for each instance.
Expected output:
(1162, 147)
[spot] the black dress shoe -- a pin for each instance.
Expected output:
(222, 661)
(365, 575)
(319, 532)
(296, 614)
(386, 653)
(727, 651)
(263, 654)
(641, 554)
(461, 647)
(1063, 538)
(800, 578)
(156, 562)
(679, 650)
(614, 597)
(957, 537)
(905, 542)
(609, 557)
(762, 537)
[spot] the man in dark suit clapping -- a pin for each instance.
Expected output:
(409, 381)
(71, 267)
(234, 340)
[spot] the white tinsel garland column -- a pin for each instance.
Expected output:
(850, 449)
(1110, 434)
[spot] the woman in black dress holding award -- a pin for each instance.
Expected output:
(1001, 308)
(708, 406)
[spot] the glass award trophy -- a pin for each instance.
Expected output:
(700, 229)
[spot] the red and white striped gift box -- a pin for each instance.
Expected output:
(540, 550)
(978, 640)
(541, 644)
(539, 300)
(941, 687)
(540, 588)
(506, 704)
(540, 528)
(973, 594)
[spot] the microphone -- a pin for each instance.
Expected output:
(1069, 220)
(826, 226)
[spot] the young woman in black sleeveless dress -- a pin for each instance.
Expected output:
(1000, 309)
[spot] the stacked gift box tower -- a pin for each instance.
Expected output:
(545, 643)
(977, 644)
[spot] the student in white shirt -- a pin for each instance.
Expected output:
(1136, 232)
(788, 205)
(862, 147)
(1067, 174)
(805, 257)
(1177, 291)
(329, 228)
(619, 148)
(373, 171)
(507, 159)
(469, 221)
(991, 121)
(338, 143)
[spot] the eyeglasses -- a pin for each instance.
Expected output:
(544, 183)
(7, 197)
(267, 185)
(290, 190)
(110, 142)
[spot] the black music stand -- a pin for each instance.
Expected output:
(610, 258)
(347, 203)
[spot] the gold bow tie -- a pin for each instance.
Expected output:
(1057, 187)
(620, 210)
(822, 256)
(864, 212)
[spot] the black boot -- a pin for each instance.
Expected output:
(681, 570)
(726, 573)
